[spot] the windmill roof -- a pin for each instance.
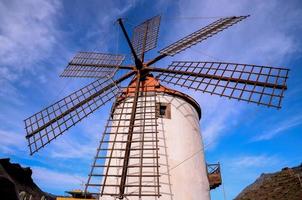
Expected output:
(151, 84)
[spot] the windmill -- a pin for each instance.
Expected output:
(147, 145)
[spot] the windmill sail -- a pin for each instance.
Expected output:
(49, 123)
(142, 177)
(145, 35)
(93, 65)
(200, 35)
(257, 84)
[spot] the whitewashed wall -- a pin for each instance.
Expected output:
(182, 163)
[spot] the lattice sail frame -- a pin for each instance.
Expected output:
(142, 178)
(200, 35)
(145, 35)
(49, 123)
(93, 65)
(257, 84)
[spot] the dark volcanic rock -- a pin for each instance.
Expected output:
(16, 183)
(283, 185)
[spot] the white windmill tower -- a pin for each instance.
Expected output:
(151, 147)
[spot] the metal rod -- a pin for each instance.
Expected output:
(133, 141)
(121, 157)
(129, 175)
(142, 143)
(112, 185)
(131, 194)
(119, 166)
(156, 145)
(161, 56)
(129, 138)
(136, 149)
(137, 61)
(102, 65)
(236, 80)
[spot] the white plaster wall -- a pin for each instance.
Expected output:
(187, 175)
(182, 163)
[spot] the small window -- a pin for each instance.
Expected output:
(164, 110)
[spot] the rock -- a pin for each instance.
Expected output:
(16, 183)
(283, 185)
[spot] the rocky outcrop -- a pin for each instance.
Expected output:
(283, 185)
(16, 183)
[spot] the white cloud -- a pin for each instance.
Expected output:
(103, 33)
(66, 149)
(238, 171)
(258, 39)
(9, 93)
(263, 38)
(81, 142)
(253, 161)
(125, 7)
(219, 117)
(30, 32)
(11, 141)
(280, 128)
(54, 180)
(27, 31)
(27, 36)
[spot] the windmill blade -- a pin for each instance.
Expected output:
(145, 35)
(93, 65)
(136, 117)
(200, 35)
(257, 84)
(49, 123)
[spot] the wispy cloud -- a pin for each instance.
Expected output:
(218, 121)
(11, 142)
(66, 149)
(242, 43)
(28, 34)
(102, 33)
(238, 171)
(80, 143)
(28, 31)
(279, 128)
(55, 180)
(254, 161)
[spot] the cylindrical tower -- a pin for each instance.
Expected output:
(177, 147)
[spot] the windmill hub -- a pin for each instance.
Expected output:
(151, 84)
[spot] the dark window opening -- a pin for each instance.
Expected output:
(164, 110)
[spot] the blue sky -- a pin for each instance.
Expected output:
(37, 38)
